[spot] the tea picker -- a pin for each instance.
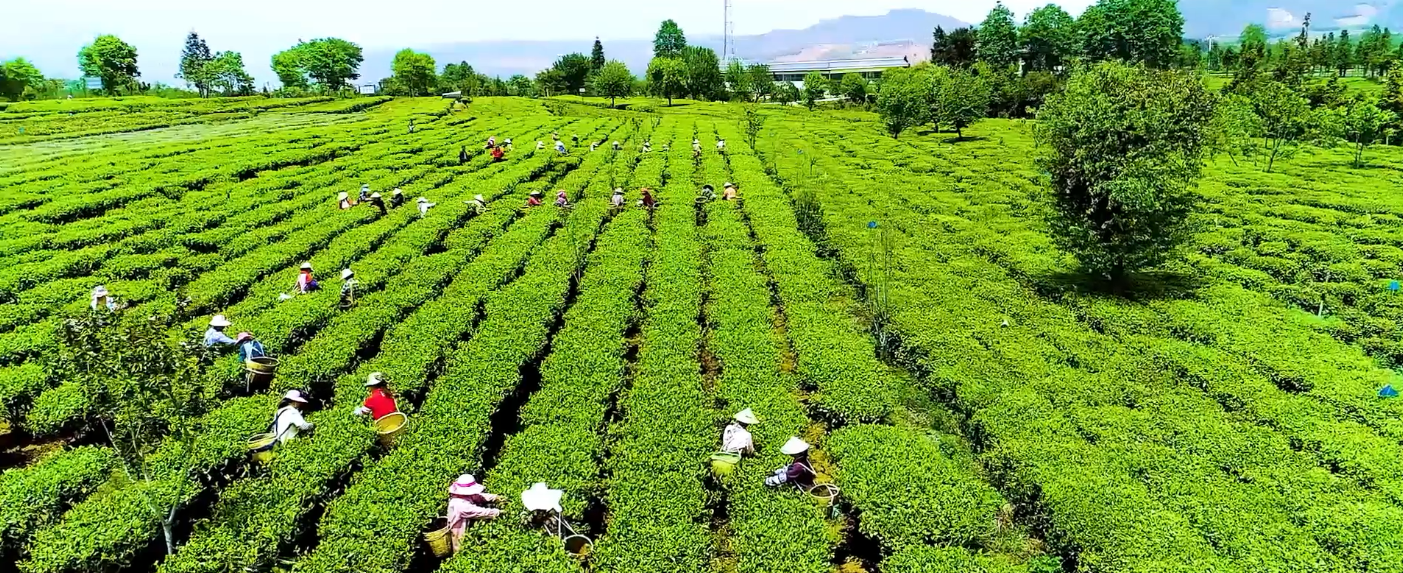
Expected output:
(102, 299)
(736, 441)
(215, 334)
(287, 424)
(543, 510)
(348, 288)
(800, 473)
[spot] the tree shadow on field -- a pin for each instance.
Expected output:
(1139, 288)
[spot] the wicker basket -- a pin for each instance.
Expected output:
(390, 426)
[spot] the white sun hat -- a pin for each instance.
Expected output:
(343, 196)
(746, 416)
(423, 200)
(466, 485)
(794, 446)
(347, 273)
(479, 198)
(99, 290)
(306, 266)
(541, 498)
(375, 195)
(295, 396)
(375, 379)
(219, 320)
(397, 191)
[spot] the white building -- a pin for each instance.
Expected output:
(871, 69)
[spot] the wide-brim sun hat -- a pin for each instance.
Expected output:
(466, 485)
(375, 379)
(397, 192)
(618, 190)
(100, 291)
(423, 200)
(536, 193)
(746, 416)
(375, 195)
(347, 273)
(243, 336)
(479, 198)
(730, 185)
(343, 195)
(794, 446)
(306, 266)
(295, 396)
(541, 498)
(219, 321)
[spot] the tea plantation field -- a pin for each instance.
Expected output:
(897, 303)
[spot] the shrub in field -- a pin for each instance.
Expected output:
(1123, 147)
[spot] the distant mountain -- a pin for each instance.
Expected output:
(1203, 18)
(848, 36)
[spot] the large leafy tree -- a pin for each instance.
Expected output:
(1363, 123)
(854, 88)
(1145, 31)
(193, 60)
(703, 73)
(1123, 147)
(956, 50)
(961, 98)
(667, 77)
(520, 85)
(146, 391)
(815, 86)
(904, 98)
(596, 57)
(16, 76)
(1343, 59)
(459, 77)
(226, 72)
(332, 62)
(290, 66)
(111, 60)
(762, 82)
(415, 72)
(574, 70)
(998, 37)
(613, 81)
(1048, 38)
(551, 82)
(1287, 120)
(738, 81)
(670, 41)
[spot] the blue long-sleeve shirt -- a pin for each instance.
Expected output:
(213, 337)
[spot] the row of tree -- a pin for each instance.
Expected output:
(1373, 51)
(1141, 31)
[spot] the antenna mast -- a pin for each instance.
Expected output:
(727, 30)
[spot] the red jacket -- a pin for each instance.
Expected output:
(381, 404)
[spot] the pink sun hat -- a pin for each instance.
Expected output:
(466, 485)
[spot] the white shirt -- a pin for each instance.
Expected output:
(737, 440)
(424, 208)
(288, 423)
(618, 201)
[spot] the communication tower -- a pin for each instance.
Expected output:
(727, 31)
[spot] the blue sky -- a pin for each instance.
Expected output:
(50, 32)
